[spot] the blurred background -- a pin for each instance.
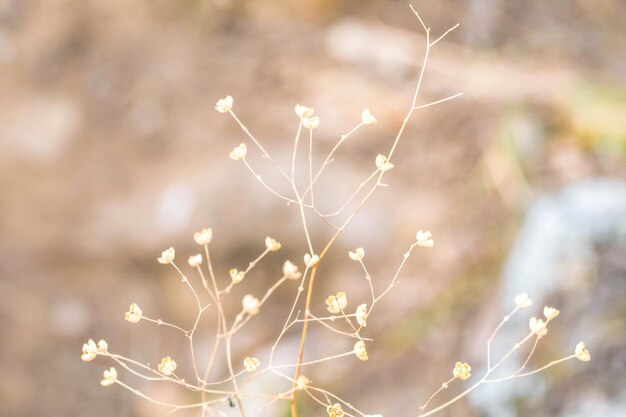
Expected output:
(110, 151)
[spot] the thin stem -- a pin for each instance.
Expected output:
(258, 144)
(493, 335)
(329, 159)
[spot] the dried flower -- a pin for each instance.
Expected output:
(103, 346)
(238, 153)
(582, 353)
(272, 244)
(109, 377)
(462, 370)
(302, 382)
(250, 304)
(550, 312)
(203, 237)
(359, 350)
(382, 163)
(337, 303)
(195, 260)
(538, 326)
(304, 111)
(367, 118)
(251, 364)
(236, 275)
(90, 351)
(361, 315)
(523, 301)
(424, 239)
(311, 122)
(311, 260)
(290, 270)
(167, 366)
(167, 256)
(335, 410)
(224, 105)
(134, 314)
(357, 255)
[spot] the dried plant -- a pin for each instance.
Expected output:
(213, 393)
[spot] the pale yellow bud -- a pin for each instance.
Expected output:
(337, 303)
(462, 370)
(550, 312)
(236, 275)
(238, 153)
(224, 105)
(250, 304)
(90, 351)
(311, 260)
(357, 255)
(382, 163)
(195, 260)
(134, 314)
(203, 237)
(311, 122)
(360, 351)
(582, 353)
(251, 364)
(290, 270)
(361, 315)
(271, 244)
(367, 118)
(424, 239)
(109, 377)
(538, 326)
(523, 301)
(167, 256)
(167, 366)
(303, 111)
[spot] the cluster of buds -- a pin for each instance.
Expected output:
(523, 301)
(424, 239)
(250, 364)
(538, 326)
(236, 275)
(224, 105)
(337, 303)
(239, 152)
(311, 260)
(335, 410)
(134, 314)
(109, 377)
(195, 260)
(167, 256)
(271, 244)
(167, 366)
(91, 349)
(290, 270)
(462, 371)
(203, 237)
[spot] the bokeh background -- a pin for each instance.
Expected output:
(110, 151)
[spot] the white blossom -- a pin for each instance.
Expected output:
(367, 118)
(382, 163)
(224, 105)
(357, 255)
